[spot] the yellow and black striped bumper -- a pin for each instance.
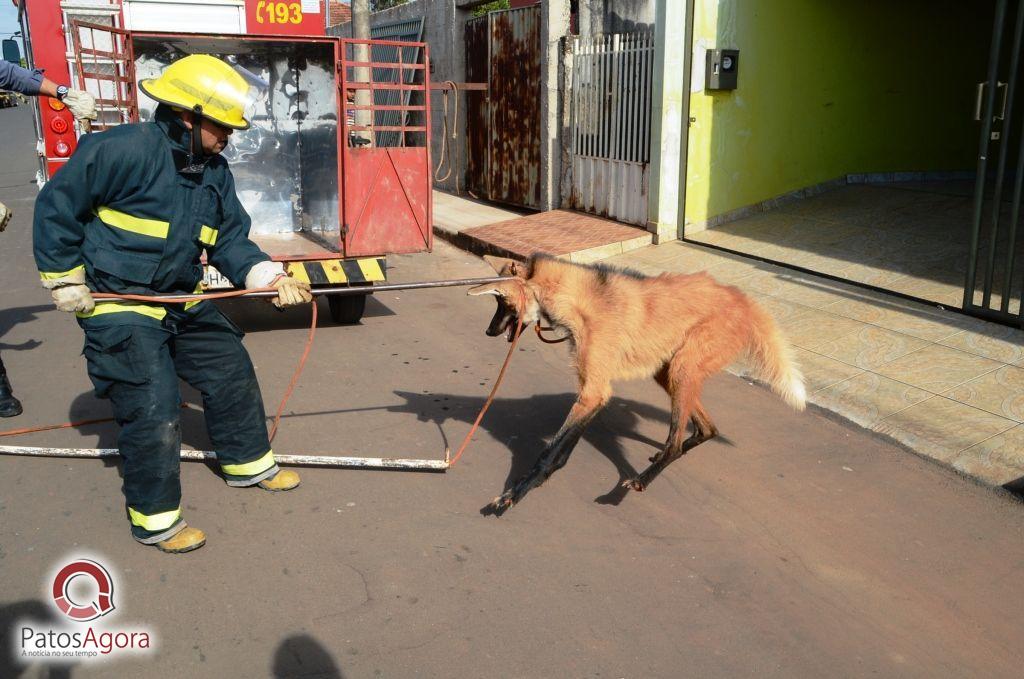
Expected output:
(361, 271)
(340, 271)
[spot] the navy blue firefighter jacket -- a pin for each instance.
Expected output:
(122, 209)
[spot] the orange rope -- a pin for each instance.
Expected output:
(490, 399)
(544, 339)
(66, 425)
(497, 382)
(179, 300)
(298, 372)
(48, 427)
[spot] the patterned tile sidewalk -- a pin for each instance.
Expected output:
(947, 386)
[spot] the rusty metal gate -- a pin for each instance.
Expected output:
(503, 49)
(995, 273)
(612, 79)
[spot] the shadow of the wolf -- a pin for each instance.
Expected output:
(679, 329)
(519, 423)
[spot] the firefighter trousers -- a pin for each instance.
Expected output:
(137, 364)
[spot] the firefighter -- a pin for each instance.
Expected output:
(131, 212)
(82, 106)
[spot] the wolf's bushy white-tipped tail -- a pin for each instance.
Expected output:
(773, 356)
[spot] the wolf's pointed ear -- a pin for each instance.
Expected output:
(500, 264)
(518, 269)
(485, 289)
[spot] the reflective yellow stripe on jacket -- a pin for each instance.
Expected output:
(154, 522)
(154, 228)
(152, 310)
(54, 275)
(208, 236)
(250, 468)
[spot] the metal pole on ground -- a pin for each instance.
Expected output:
(282, 459)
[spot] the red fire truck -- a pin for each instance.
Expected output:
(328, 196)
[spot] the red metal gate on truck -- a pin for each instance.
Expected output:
(387, 181)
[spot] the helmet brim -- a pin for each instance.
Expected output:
(146, 87)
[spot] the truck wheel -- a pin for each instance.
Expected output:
(346, 309)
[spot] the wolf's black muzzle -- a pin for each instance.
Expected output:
(504, 320)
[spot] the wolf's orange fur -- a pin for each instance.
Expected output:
(678, 328)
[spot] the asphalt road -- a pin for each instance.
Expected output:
(794, 547)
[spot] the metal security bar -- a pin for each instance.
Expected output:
(612, 82)
(994, 283)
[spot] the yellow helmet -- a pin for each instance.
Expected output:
(201, 80)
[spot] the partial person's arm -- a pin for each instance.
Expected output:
(32, 82)
(14, 78)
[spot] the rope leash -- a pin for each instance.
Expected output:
(501, 373)
(497, 383)
(545, 340)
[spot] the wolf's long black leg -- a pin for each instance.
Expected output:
(554, 457)
(556, 453)
(703, 430)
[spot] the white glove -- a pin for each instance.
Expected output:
(73, 298)
(5, 217)
(263, 274)
(291, 292)
(69, 292)
(81, 104)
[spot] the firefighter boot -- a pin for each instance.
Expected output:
(285, 479)
(185, 540)
(9, 406)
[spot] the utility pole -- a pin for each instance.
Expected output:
(361, 31)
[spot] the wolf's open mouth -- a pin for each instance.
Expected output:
(512, 329)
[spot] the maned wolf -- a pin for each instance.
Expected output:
(679, 329)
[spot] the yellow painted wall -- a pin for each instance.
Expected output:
(829, 88)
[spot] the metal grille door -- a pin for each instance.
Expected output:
(611, 134)
(995, 275)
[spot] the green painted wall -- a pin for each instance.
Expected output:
(829, 88)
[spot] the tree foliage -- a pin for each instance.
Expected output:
(490, 7)
(376, 5)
